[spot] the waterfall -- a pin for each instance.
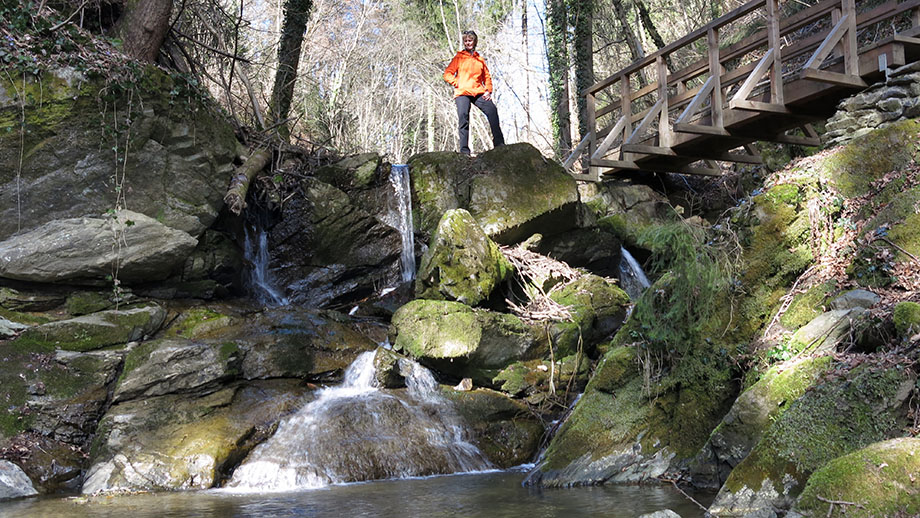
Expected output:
(255, 251)
(355, 432)
(402, 217)
(632, 278)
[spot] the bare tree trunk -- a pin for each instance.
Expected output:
(239, 184)
(143, 27)
(583, 19)
(296, 15)
(526, 40)
(632, 41)
(557, 58)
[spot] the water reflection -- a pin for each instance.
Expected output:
(491, 495)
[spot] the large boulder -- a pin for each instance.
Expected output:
(504, 430)
(461, 263)
(460, 341)
(598, 309)
(840, 416)
(88, 249)
(14, 483)
(512, 191)
(170, 152)
(329, 249)
(181, 441)
(878, 480)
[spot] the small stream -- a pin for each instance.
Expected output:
(484, 495)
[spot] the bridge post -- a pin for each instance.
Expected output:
(626, 109)
(590, 107)
(773, 42)
(850, 50)
(715, 72)
(664, 124)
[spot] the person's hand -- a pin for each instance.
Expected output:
(487, 96)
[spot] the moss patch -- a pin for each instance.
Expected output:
(868, 158)
(907, 318)
(881, 478)
(198, 322)
(806, 306)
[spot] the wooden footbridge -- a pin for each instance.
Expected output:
(703, 100)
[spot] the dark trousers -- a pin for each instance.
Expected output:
(463, 114)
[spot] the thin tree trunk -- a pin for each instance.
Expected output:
(632, 41)
(526, 39)
(649, 26)
(558, 60)
(296, 15)
(583, 19)
(143, 27)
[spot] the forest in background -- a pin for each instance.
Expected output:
(369, 74)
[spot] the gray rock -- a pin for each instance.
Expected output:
(14, 483)
(86, 249)
(826, 331)
(627, 466)
(666, 513)
(855, 299)
(456, 339)
(171, 366)
(174, 155)
(9, 329)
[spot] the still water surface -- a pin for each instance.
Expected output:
(485, 495)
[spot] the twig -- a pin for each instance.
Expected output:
(701, 506)
(789, 298)
(212, 49)
(65, 22)
(905, 252)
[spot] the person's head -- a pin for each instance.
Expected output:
(470, 40)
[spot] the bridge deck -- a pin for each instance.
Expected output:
(678, 111)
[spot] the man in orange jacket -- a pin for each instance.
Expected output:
(472, 83)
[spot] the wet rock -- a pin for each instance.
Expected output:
(504, 430)
(461, 263)
(97, 330)
(85, 250)
(594, 249)
(460, 341)
(9, 329)
(330, 250)
(184, 441)
(855, 299)
(27, 300)
(387, 372)
(13, 482)
(667, 513)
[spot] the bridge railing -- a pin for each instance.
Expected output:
(686, 86)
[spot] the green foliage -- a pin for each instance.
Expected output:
(674, 313)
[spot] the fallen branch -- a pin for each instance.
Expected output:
(239, 184)
(841, 503)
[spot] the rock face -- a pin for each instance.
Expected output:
(511, 191)
(458, 340)
(329, 249)
(131, 245)
(461, 263)
(823, 424)
(96, 330)
(173, 160)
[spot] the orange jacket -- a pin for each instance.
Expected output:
(468, 74)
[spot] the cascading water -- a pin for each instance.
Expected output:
(255, 251)
(632, 278)
(402, 218)
(356, 432)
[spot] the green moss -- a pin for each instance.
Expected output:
(907, 234)
(24, 318)
(616, 225)
(424, 324)
(880, 478)
(806, 306)
(616, 368)
(138, 356)
(197, 323)
(86, 302)
(868, 158)
(906, 318)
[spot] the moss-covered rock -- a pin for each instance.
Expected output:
(197, 323)
(85, 302)
(866, 159)
(461, 262)
(806, 306)
(878, 480)
(24, 300)
(825, 332)
(834, 419)
(906, 318)
(458, 340)
(598, 309)
(539, 380)
(185, 441)
(752, 414)
(353, 171)
(94, 331)
(439, 184)
(505, 431)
